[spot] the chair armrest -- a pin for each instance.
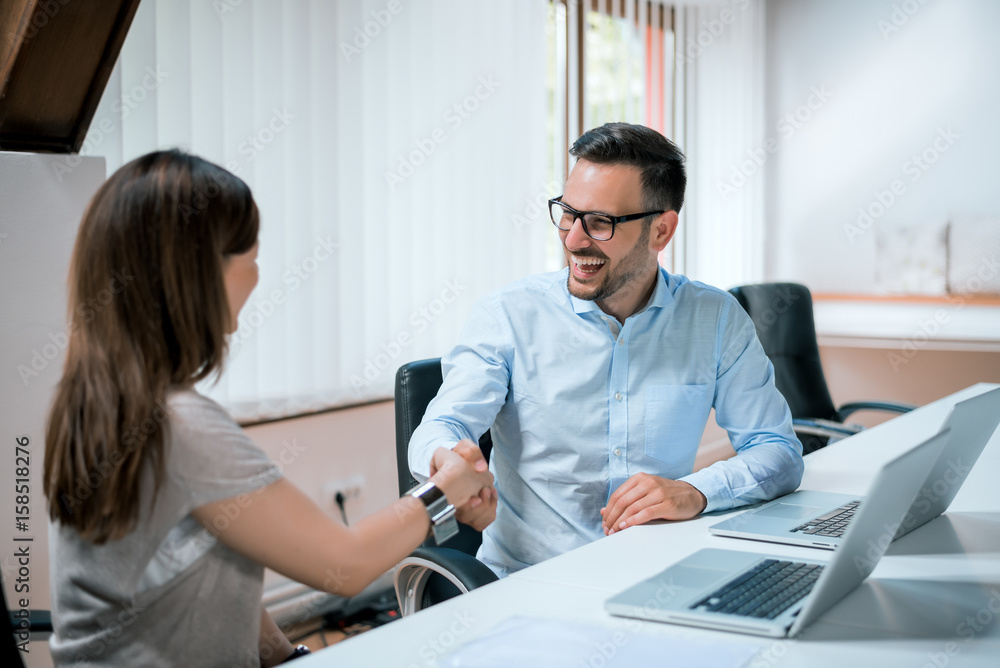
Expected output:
(889, 406)
(818, 427)
(411, 574)
(40, 621)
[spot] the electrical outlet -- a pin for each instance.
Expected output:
(350, 487)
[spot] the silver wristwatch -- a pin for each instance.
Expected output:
(442, 514)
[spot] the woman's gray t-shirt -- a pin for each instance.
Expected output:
(168, 593)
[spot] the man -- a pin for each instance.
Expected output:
(597, 380)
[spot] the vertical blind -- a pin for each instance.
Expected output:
(394, 149)
(628, 69)
(719, 57)
(401, 153)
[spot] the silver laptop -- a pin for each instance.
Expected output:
(819, 519)
(776, 596)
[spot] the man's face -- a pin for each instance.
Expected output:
(599, 270)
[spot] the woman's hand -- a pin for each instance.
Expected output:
(462, 474)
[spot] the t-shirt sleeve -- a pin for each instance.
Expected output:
(210, 456)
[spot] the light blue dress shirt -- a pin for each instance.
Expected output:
(578, 403)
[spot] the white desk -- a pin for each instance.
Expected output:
(910, 612)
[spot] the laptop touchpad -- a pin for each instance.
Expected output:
(788, 510)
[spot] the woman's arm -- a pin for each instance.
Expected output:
(280, 527)
(273, 646)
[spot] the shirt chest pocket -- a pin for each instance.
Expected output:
(675, 419)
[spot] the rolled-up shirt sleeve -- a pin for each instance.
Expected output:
(748, 406)
(476, 376)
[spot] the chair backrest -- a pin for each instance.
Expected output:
(416, 384)
(782, 313)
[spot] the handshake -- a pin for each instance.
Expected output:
(463, 475)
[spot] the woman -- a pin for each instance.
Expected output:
(164, 512)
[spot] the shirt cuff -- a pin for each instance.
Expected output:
(717, 494)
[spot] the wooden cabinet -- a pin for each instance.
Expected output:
(55, 60)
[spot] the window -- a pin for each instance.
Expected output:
(609, 61)
(396, 156)
(402, 160)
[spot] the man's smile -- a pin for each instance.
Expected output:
(586, 267)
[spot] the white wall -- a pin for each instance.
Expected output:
(892, 92)
(315, 450)
(856, 374)
(40, 210)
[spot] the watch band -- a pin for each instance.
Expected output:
(300, 650)
(441, 513)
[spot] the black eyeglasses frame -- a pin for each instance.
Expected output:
(579, 215)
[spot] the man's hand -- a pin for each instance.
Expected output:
(645, 497)
(479, 511)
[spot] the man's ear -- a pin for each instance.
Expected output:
(662, 230)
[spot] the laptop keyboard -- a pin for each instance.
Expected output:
(764, 591)
(833, 524)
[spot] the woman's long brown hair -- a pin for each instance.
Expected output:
(147, 311)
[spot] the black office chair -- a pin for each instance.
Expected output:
(782, 313)
(432, 573)
(39, 623)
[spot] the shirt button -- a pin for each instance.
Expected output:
(618, 452)
(621, 342)
(618, 396)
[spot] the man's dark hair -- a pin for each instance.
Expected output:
(656, 157)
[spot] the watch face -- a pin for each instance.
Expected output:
(429, 493)
(441, 513)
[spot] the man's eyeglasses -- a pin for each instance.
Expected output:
(598, 226)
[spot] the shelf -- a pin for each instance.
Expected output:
(973, 300)
(953, 324)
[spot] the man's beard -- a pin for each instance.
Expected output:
(627, 270)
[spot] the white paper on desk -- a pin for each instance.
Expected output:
(532, 641)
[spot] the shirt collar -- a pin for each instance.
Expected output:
(662, 295)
